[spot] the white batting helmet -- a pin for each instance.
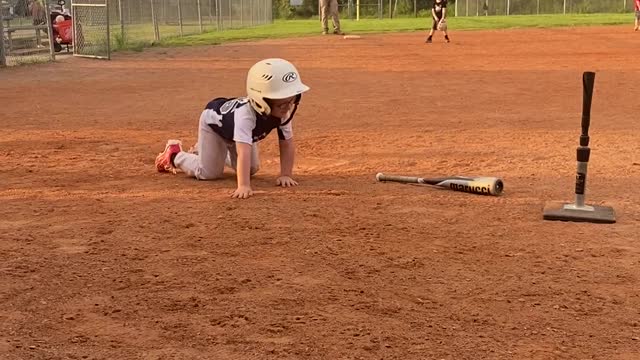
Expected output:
(272, 79)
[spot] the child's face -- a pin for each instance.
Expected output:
(281, 107)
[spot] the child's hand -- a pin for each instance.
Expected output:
(286, 181)
(242, 192)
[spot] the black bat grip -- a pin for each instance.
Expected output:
(588, 80)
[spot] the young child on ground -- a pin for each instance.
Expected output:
(439, 15)
(230, 129)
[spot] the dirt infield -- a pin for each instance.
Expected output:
(103, 258)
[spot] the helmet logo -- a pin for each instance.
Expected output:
(290, 77)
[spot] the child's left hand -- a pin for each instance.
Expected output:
(286, 181)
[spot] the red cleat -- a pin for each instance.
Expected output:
(163, 160)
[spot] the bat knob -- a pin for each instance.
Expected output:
(378, 176)
(499, 186)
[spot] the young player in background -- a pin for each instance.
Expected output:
(439, 16)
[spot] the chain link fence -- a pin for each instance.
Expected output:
(536, 7)
(382, 9)
(154, 20)
(91, 35)
(24, 34)
(102, 25)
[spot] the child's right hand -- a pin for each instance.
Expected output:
(242, 192)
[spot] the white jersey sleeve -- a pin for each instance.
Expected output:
(244, 124)
(285, 132)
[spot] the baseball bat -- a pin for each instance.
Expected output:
(588, 81)
(476, 185)
(583, 151)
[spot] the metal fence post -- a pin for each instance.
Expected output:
(210, 12)
(217, 15)
(52, 51)
(106, 3)
(154, 20)
(180, 17)
(3, 60)
(121, 21)
(199, 17)
(220, 19)
(508, 6)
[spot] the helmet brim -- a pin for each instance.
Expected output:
(289, 92)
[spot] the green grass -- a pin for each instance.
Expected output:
(27, 60)
(140, 36)
(296, 28)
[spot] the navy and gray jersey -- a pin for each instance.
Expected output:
(235, 120)
(438, 7)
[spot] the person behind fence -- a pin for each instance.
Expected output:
(329, 8)
(637, 9)
(230, 129)
(37, 12)
(62, 32)
(439, 16)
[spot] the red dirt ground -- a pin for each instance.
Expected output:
(103, 258)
